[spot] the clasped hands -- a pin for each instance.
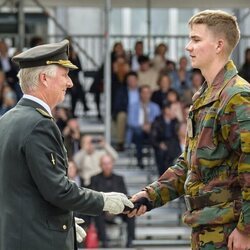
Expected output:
(117, 203)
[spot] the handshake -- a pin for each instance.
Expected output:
(116, 203)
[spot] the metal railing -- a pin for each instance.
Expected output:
(93, 45)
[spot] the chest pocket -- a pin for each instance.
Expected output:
(205, 118)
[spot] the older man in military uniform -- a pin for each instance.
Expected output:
(36, 197)
(214, 171)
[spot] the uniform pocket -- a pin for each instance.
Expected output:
(60, 223)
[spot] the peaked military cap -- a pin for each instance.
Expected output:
(46, 54)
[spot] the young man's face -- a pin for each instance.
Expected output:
(202, 46)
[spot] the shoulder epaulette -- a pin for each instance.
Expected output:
(44, 113)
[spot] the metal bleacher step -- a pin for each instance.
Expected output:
(160, 232)
(163, 243)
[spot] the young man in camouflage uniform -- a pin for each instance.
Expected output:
(213, 173)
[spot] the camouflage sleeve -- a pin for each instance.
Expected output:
(170, 185)
(239, 140)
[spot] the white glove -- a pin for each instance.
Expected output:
(115, 203)
(80, 233)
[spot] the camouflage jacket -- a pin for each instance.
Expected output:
(216, 159)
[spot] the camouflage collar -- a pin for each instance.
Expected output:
(212, 93)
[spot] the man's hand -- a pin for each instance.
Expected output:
(115, 203)
(80, 233)
(238, 241)
(142, 209)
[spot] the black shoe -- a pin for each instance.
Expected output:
(140, 165)
(99, 117)
(129, 244)
(86, 109)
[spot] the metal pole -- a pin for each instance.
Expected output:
(21, 24)
(65, 32)
(107, 73)
(149, 25)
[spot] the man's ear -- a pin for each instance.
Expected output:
(43, 79)
(220, 46)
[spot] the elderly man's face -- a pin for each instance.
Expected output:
(106, 165)
(58, 86)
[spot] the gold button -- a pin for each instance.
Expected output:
(64, 227)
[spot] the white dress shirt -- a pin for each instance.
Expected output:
(39, 101)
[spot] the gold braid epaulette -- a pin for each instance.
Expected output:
(44, 113)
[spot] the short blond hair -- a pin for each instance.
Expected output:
(29, 77)
(220, 23)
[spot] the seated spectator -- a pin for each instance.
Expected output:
(181, 131)
(10, 69)
(126, 96)
(3, 83)
(160, 61)
(174, 98)
(140, 118)
(73, 173)
(181, 78)
(71, 135)
(9, 100)
(159, 96)
(61, 115)
(35, 41)
(245, 68)
(165, 139)
(135, 66)
(146, 74)
(118, 51)
(120, 69)
(108, 181)
(87, 159)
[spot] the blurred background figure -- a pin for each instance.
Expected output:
(35, 41)
(126, 94)
(140, 118)
(135, 66)
(118, 51)
(165, 138)
(71, 135)
(77, 92)
(73, 173)
(245, 69)
(181, 131)
(147, 75)
(9, 100)
(108, 181)
(87, 159)
(61, 115)
(176, 105)
(181, 77)
(159, 96)
(160, 62)
(10, 69)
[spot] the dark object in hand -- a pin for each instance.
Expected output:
(142, 201)
(96, 140)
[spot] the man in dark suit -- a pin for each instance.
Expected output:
(37, 199)
(107, 181)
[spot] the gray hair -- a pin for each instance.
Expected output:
(29, 77)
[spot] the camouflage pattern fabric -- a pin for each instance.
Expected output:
(217, 154)
(212, 237)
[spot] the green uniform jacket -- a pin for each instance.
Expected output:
(36, 197)
(216, 160)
